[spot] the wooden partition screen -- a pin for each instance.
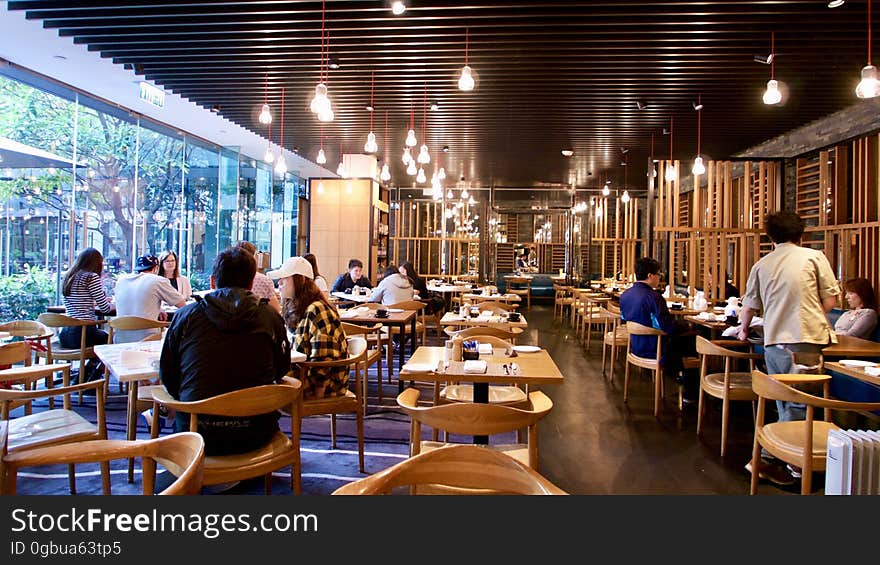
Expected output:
(615, 236)
(422, 234)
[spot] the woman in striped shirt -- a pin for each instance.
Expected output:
(83, 293)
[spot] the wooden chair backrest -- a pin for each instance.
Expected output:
(26, 329)
(416, 305)
(613, 308)
(15, 353)
(183, 454)
(720, 348)
(460, 466)
(487, 331)
(355, 329)
(779, 387)
(236, 404)
(495, 306)
(53, 320)
(638, 329)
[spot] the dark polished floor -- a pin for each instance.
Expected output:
(593, 443)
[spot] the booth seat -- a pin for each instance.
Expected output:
(848, 388)
(541, 287)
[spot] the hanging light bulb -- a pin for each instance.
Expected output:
(320, 100)
(398, 7)
(322, 158)
(407, 156)
(411, 168)
(326, 116)
(424, 158)
(340, 170)
(435, 183)
(281, 166)
(670, 172)
(449, 194)
(411, 140)
(265, 115)
(441, 174)
(321, 187)
(606, 190)
(371, 146)
(699, 168)
(625, 197)
(466, 80)
(869, 87)
(269, 156)
(421, 176)
(448, 213)
(464, 193)
(772, 94)
(385, 175)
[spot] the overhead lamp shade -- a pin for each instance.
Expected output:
(407, 156)
(466, 80)
(385, 175)
(322, 158)
(421, 176)
(449, 194)
(281, 166)
(699, 168)
(625, 196)
(411, 140)
(772, 94)
(269, 156)
(670, 173)
(370, 146)
(424, 157)
(868, 87)
(411, 168)
(265, 115)
(340, 170)
(441, 174)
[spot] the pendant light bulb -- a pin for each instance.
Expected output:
(407, 156)
(606, 190)
(466, 80)
(269, 156)
(322, 158)
(464, 193)
(340, 170)
(371, 146)
(411, 168)
(265, 115)
(699, 168)
(772, 94)
(398, 7)
(420, 178)
(449, 194)
(319, 100)
(385, 175)
(869, 87)
(670, 172)
(441, 174)
(625, 196)
(280, 166)
(411, 140)
(424, 157)
(326, 115)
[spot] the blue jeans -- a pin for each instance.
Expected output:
(779, 361)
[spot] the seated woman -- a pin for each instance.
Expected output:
(169, 267)
(314, 326)
(393, 288)
(434, 303)
(861, 320)
(320, 281)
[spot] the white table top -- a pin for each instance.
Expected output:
(453, 319)
(111, 354)
(361, 298)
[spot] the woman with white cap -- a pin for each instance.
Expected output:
(314, 327)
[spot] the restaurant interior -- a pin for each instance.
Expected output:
(522, 156)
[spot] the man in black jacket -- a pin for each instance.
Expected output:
(354, 277)
(227, 341)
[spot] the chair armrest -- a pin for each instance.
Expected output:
(287, 380)
(31, 372)
(791, 379)
(32, 394)
(161, 395)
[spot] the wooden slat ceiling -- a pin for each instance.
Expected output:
(551, 75)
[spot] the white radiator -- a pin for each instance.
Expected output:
(853, 463)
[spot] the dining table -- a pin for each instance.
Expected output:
(856, 371)
(519, 365)
(489, 321)
(395, 318)
(850, 346)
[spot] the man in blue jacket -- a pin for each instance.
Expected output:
(641, 303)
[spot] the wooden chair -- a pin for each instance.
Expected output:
(510, 335)
(281, 451)
(653, 364)
(56, 352)
(728, 385)
(788, 441)
(421, 326)
(562, 299)
(521, 286)
(477, 419)
(183, 455)
(54, 426)
(460, 467)
(614, 336)
(592, 316)
(36, 333)
(376, 340)
(350, 402)
(19, 354)
(496, 307)
(134, 323)
(498, 394)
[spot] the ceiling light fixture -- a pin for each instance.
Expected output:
(371, 146)
(385, 175)
(340, 170)
(670, 168)
(281, 165)
(333, 62)
(446, 149)
(265, 111)
(624, 198)
(411, 140)
(836, 3)
(398, 7)
(466, 80)
(772, 94)
(869, 86)
(321, 104)
(567, 152)
(641, 104)
(435, 106)
(699, 168)
(424, 157)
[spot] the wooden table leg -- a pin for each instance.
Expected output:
(131, 428)
(481, 396)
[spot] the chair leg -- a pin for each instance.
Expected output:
(626, 383)
(333, 430)
(71, 478)
(658, 391)
(604, 351)
(700, 418)
(360, 432)
(756, 464)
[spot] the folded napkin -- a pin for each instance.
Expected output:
(348, 314)
(477, 367)
(873, 371)
(419, 367)
(486, 349)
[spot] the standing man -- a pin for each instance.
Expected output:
(795, 287)
(141, 294)
(227, 341)
(641, 303)
(354, 277)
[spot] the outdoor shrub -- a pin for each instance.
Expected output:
(26, 295)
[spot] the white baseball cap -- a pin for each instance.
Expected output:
(293, 266)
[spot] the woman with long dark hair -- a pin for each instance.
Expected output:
(434, 303)
(314, 327)
(320, 281)
(83, 293)
(169, 267)
(861, 319)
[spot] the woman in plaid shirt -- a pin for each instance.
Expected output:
(315, 327)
